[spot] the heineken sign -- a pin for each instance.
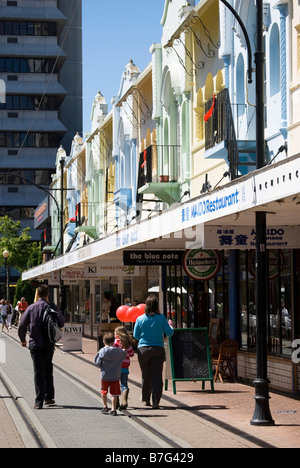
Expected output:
(201, 265)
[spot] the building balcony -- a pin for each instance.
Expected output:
(158, 173)
(220, 138)
(123, 198)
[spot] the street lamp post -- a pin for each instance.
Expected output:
(62, 155)
(262, 415)
(5, 256)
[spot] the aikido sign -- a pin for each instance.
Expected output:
(201, 265)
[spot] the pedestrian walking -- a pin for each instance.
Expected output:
(125, 341)
(110, 359)
(149, 330)
(3, 309)
(113, 311)
(41, 349)
(22, 306)
(105, 309)
(9, 314)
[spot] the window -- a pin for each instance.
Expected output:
(25, 177)
(240, 86)
(28, 28)
(16, 140)
(30, 140)
(280, 302)
(23, 28)
(274, 60)
(298, 50)
(199, 116)
(21, 65)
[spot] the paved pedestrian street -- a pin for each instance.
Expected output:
(190, 419)
(76, 421)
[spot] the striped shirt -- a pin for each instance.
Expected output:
(129, 354)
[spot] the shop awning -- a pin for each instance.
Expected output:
(274, 189)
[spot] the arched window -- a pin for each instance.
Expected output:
(240, 87)
(209, 87)
(165, 161)
(274, 61)
(219, 82)
(199, 117)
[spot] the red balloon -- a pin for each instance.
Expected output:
(122, 313)
(142, 307)
(132, 314)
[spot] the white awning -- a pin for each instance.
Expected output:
(274, 189)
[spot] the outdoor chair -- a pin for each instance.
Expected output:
(226, 361)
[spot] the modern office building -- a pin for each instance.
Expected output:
(40, 100)
(41, 70)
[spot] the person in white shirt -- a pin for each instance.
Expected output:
(3, 310)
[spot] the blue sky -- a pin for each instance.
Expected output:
(113, 33)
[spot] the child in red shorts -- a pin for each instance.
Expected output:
(110, 359)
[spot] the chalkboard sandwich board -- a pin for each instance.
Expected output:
(189, 357)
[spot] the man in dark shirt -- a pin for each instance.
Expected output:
(41, 349)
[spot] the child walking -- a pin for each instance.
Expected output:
(110, 359)
(125, 341)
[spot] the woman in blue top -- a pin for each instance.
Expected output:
(149, 330)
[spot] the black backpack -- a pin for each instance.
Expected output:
(50, 321)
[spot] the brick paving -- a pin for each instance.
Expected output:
(205, 419)
(9, 435)
(197, 418)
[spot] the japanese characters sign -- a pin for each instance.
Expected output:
(242, 238)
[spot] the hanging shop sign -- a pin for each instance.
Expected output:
(120, 271)
(201, 265)
(42, 213)
(152, 257)
(244, 238)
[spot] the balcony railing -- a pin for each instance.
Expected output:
(159, 163)
(220, 128)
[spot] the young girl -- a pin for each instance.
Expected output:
(123, 340)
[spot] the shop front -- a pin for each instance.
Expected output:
(100, 288)
(197, 290)
(204, 255)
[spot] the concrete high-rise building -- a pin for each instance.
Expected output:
(41, 72)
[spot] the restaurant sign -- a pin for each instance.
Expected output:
(42, 213)
(244, 237)
(152, 257)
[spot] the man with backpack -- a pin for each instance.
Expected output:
(41, 318)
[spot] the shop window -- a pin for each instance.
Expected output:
(280, 303)
(192, 304)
